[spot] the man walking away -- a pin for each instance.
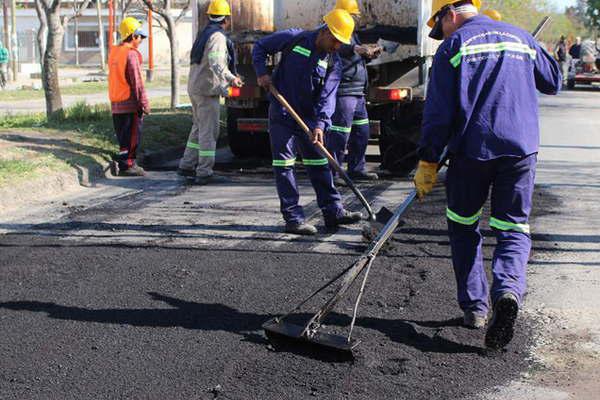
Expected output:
(3, 65)
(482, 103)
(129, 101)
(308, 76)
(575, 50)
(212, 73)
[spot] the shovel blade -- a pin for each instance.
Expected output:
(372, 230)
(321, 340)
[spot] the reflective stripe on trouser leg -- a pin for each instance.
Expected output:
(467, 190)
(208, 115)
(512, 194)
(336, 139)
(329, 199)
(189, 161)
(359, 138)
(283, 148)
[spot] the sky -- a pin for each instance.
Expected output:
(562, 4)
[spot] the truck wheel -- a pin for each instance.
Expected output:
(247, 144)
(571, 84)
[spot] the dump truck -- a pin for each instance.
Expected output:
(398, 78)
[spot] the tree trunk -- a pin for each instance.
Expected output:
(76, 41)
(101, 36)
(172, 34)
(54, 107)
(42, 31)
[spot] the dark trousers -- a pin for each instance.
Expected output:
(285, 143)
(468, 185)
(348, 136)
(128, 128)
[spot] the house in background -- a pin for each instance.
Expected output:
(85, 29)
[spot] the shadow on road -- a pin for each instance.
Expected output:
(219, 317)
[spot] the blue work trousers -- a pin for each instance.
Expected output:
(348, 136)
(286, 142)
(468, 185)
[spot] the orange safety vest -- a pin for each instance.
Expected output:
(118, 87)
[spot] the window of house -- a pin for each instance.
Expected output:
(87, 36)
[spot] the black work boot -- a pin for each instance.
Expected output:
(303, 229)
(501, 327)
(346, 218)
(363, 176)
(186, 173)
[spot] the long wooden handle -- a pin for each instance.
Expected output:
(304, 127)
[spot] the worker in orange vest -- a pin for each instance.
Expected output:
(129, 102)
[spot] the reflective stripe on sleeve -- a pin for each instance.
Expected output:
(508, 226)
(323, 64)
(452, 216)
(192, 145)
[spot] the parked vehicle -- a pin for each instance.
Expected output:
(397, 79)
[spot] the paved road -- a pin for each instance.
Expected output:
(39, 105)
(160, 292)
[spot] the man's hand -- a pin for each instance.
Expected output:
(368, 51)
(425, 178)
(237, 82)
(265, 81)
(316, 136)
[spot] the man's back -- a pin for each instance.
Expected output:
(3, 55)
(489, 71)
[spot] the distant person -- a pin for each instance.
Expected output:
(575, 50)
(212, 73)
(560, 53)
(129, 102)
(3, 65)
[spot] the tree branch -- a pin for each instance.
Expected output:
(183, 12)
(77, 11)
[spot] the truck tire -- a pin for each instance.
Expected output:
(247, 144)
(400, 132)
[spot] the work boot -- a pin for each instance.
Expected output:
(346, 218)
(474, 320)
(211, 180)
(186, 173)
(501, 327)
(303, 229)
(363, 176)
(136, 170)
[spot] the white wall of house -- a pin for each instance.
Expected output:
(89, 53)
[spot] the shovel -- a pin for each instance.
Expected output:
(309, 333)
(374, 219)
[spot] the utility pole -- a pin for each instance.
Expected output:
(150, 74)
(13, 40)
(111, 25)
(101, 35)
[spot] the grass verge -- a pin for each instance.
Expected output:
(84, 137)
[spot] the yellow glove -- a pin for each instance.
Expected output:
(425, 178)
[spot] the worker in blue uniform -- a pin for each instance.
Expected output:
(308, 76)
(482, 103)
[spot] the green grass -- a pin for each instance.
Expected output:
(83, 136)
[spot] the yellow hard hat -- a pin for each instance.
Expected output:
(493, 14)
(437, 5)
(130, 26)
(341, 25)
(349, 5)
(219, 7)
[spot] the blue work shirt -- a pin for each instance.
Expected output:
(482, 100)
(302, 76)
